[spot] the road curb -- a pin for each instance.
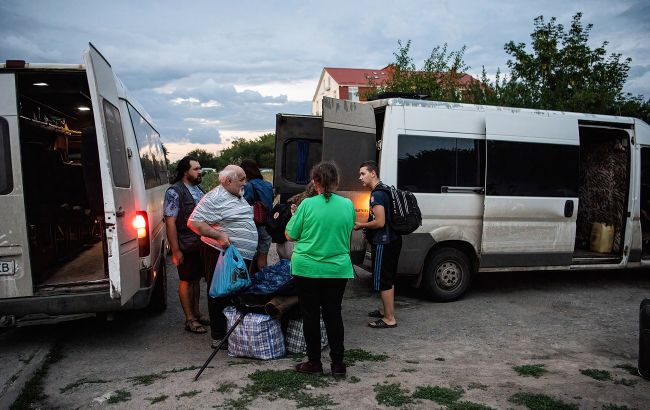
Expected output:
(11, 389)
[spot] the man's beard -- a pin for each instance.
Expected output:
(195, 181)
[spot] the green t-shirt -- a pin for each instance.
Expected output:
(322, 230)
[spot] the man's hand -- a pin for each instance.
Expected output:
(223, 240)
(357, 226)
(177, 257)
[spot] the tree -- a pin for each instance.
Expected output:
(206, 159)
(439, 78)
(261, 149)
(562, 72)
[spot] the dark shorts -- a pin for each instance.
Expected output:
(384, 264)
(191, 270)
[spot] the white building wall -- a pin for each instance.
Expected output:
(327, 87)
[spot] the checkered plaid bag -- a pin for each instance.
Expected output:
(295, 339)
(257, 336)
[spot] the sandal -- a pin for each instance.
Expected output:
(204, 320)
(194, 326)
(380, 324)
(375, 313)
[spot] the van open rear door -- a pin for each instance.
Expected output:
(15, 272)
(350, 138)
(531, 199)
(121, 236)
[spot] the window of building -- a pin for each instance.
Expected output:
(426, 164)
(6, 177)
(152, 158)
(300, 155)
(119, 163)
(532, 169)
(353, 93)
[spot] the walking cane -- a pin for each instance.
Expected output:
(224, 340)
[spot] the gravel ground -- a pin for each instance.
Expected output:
(567, 322)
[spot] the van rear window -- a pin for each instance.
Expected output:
(426, 164)
(300, 155)
(119, 163)
(152, 158)
(6, 178)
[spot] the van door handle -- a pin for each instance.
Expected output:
(120, 212)
(568, 208)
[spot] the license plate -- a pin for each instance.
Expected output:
(7, 267)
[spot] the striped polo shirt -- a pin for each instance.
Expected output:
(232, 214)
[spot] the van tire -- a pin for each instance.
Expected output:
(447, 275)
(158, 301)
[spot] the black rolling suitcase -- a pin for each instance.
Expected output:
(644, 339)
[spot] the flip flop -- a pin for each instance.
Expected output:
(380, 324)
(194, 326)
(375, 313)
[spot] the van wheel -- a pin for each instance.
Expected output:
(158, 301)
(446, 275)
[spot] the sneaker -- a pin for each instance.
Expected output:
(338, 369)
(310, 368)
(215, 343)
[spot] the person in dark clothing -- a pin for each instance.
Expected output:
(258, 190)
(386, 246)
(180, 200)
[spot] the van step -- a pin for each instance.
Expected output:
(607, 260)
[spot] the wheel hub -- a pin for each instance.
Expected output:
(448, 275)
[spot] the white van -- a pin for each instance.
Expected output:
(82, 180)
(499, 188)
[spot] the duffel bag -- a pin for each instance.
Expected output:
(258, 336)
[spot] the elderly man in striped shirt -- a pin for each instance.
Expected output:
(223, 218)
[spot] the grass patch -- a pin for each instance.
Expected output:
(540, 402)
(626, 382)
(441, 395)
(615, 407)
(146, 379)
(408, 370)
(359, 355)
(33, 390)
(190, 393)
(241, 403)
(157, 399)
(439, 359)
(239, 362)
(597, 374)
(183, 369)
(629, 368)
(530, 370)
(307, 400)
(390, 375)
(477, 386)
(468, 405)
(412, 361)
(81, 382)
(119, 396)
(392, 395)
(226, 387)
(353, 379)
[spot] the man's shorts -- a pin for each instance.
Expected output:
(263, 240)
(384, 264)
(191, 269)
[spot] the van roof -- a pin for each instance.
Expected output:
(487, 108)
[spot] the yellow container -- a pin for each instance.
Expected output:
(602, 237)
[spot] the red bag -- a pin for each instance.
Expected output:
(259, 213)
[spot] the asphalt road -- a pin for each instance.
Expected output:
(566, 321)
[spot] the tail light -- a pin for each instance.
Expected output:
(141, 225)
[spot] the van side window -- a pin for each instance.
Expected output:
(300, 155)
(6, 177)
(532, 169)
(119, 163)
(426, 164)
(152, 158)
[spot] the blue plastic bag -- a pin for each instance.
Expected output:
(271, 279)
(230, 275)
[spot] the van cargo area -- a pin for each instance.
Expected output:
(604, 172)
(61, 182)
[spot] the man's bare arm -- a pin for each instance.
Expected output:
(204, 229)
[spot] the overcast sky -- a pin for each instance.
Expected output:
(211, 71)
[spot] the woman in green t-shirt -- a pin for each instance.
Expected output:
(321, 265)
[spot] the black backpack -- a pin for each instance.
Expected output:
(276, 222)
(405, 213)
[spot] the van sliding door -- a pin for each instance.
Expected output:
(15, 271)
(350, 138)
(123, 257)
(531, 199)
